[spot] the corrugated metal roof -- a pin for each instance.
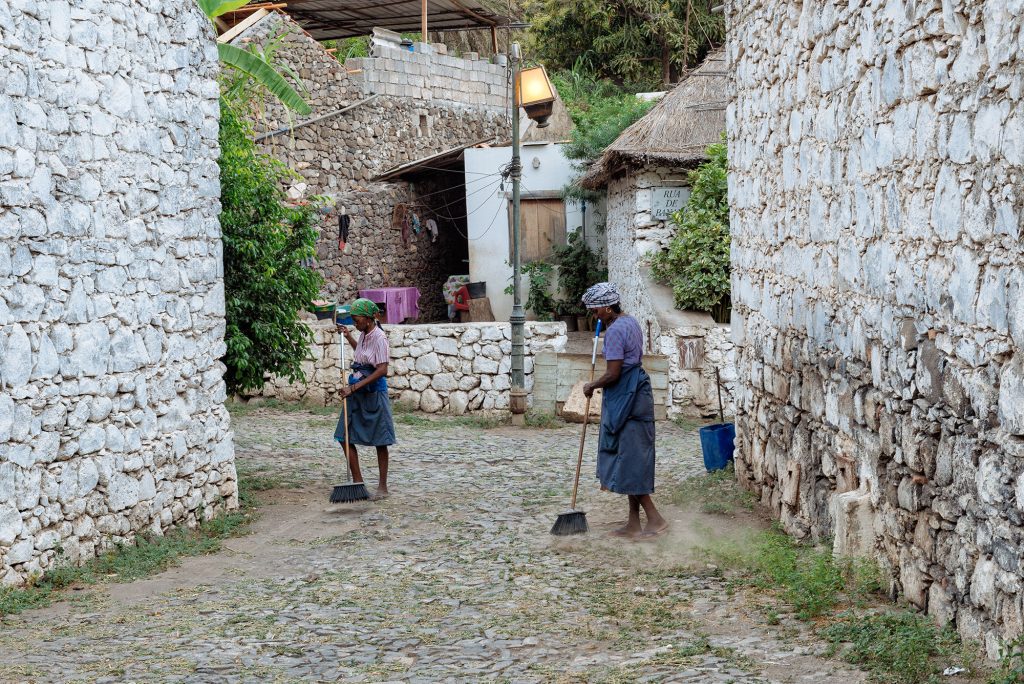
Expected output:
(328, 19)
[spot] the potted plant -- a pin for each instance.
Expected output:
(566, 311)
(578, 268)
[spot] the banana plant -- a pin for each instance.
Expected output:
(251, 64)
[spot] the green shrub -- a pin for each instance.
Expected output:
(900, 647)
(696, 264)
(539, 300)
(578, 268)
(265, 242)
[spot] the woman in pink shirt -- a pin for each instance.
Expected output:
(369, 409)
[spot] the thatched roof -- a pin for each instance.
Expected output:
(676, 131)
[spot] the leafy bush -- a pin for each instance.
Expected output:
(265, 242)
(578, 268)
(539, 300)
(696, 263)
(601, 122)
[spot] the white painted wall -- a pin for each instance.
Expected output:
(488, 220)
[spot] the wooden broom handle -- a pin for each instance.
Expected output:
(586, 419)
(583, 437)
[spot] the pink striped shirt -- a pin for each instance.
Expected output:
(372, 348)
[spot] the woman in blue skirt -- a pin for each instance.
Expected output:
(625, 457)
(369, 409)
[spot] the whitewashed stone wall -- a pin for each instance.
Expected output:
(695, 346)
(449, 368)
(111, 298)
(877, 156)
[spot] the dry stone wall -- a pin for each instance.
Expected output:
(340, 155)
(111, 296)
(876, 153)
(451, 368)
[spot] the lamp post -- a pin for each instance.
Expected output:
(531, 90)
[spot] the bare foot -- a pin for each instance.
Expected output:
(626, 532)
(655, 530)
(379, 494)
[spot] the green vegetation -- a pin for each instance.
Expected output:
(579, 267)
(716, 493)
(251, 63)
(901, 647)
(149, 554)
(238, 408)
(349, 48)
(265, 243)
(644, 42)
(539, 300)
(1011, 663)
(696, 264)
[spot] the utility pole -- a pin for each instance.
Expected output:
(517, 402)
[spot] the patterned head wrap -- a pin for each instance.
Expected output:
(364, 307)
(602, 294)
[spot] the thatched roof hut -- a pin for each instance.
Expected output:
(677, 130)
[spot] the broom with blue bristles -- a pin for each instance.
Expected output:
(573, 521)
(350, 491)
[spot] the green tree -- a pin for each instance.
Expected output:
(253, 65)
(265, 243)
(644, 42)
(696, 263)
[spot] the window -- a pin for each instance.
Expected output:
(541, 227)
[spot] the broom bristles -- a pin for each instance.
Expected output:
(347, 493)
(573, 522)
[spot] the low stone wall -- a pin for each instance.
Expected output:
(448, 368)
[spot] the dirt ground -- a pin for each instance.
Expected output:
(453, 578)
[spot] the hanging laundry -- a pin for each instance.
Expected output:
(343, 225)
(432, 228)
(416, 225)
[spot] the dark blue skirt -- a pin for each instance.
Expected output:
(369, 420)
(625, 457)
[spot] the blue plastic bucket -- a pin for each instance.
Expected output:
(717, 443)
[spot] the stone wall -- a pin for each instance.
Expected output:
(111, 298)
(876, 155)
(450, 368)
(340, 155)
(693, 342)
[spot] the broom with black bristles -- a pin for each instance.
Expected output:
(573, 521)
(350, 491)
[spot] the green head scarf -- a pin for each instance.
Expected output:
(364, 307)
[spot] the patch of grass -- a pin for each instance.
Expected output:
(716, 492)
(237, 408)
(901, 647)
(691, 424)
(149, 554)
(544, 421)
(412, 419)
(1011, 663)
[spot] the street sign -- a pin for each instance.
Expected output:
(667, 201)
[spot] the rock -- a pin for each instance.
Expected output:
(1011, 396)
(430, 401)
(575, 405)
(444, 382)
(16, 367)
(10, 524)
(458, 402)
(428, 364)
(446, 345)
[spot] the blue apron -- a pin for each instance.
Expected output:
(369, 413)
(625, 456)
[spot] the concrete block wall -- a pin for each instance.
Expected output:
(876, 154)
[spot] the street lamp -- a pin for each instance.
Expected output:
(533, 92)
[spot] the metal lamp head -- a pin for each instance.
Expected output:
(536, 94)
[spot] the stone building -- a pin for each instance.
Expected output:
(384, 138)
(876, 156)
(644, 174)
(111, 297)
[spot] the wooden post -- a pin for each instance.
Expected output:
(494, 38)
(423, 24)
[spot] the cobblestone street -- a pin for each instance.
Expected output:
(453, 578)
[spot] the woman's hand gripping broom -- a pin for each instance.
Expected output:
(573, 521)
